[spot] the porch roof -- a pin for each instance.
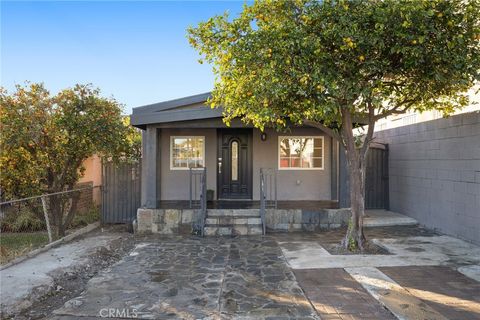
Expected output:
(187, 110)
(183, 109)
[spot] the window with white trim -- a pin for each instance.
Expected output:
(300, 153)
(187, 152)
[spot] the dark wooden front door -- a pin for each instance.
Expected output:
(234, 164)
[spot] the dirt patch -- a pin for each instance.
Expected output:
(71, 283)
(370, 248)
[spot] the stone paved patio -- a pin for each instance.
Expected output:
(192, 278)
(261, 278)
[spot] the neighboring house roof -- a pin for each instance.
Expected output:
(183, 109)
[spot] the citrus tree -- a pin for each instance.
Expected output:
(46, 138)
(338, 64)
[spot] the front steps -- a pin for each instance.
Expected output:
(233, 222)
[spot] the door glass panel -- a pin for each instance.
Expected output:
(234, 161)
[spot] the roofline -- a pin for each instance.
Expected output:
(140, 120)
(171, 104)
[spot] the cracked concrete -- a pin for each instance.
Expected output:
(25, 282)
(285, 276)
(472, 271)
(393, 296)
(406, 251)
(423, 254)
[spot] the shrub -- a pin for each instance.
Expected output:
(23, 221)
(83, 219)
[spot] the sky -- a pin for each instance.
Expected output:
(135, 51)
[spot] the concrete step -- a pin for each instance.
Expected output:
(233, 230)
(233, 220)
(233, 212)
(385, 218)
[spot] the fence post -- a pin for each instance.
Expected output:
(45, 212)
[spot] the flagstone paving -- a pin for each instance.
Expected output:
(263, 278)
(192, 278)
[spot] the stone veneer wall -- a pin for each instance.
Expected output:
(434, 171)
(305, 220)
(165, 221)
(179, 221)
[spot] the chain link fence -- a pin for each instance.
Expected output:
(30, 223)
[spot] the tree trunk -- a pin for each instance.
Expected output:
(356, 164)
(355, 238)
(56, 213)
(72, 209)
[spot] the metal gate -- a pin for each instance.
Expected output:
(120, 192)
(376, 179)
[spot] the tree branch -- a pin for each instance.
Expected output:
(324, 128)
(371, 127)
(396, 110)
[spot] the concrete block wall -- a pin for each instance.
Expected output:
(434, 171)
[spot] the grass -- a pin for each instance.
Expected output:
(85, 218)
(14, 244)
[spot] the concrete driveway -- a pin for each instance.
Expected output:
(286, 276)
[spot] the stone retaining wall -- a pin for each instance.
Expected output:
(288, 220)
(179, 221)
(164, 221)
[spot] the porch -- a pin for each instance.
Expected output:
(251, 204)
(244, 217)
(234, 218)
(236, 180)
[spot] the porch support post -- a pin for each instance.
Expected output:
(334, 168)
(343, 193)
(150, 187)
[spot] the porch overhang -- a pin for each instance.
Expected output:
(191, 111)
(183, 109)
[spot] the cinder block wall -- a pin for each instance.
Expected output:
(435, 173)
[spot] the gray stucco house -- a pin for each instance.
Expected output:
(303, 170)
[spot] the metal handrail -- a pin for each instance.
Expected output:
(262, 200)
(268, 192)
(270, 187)
(199, 176)
(195, 184)
(203, 202)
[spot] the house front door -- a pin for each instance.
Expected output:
(234, 164)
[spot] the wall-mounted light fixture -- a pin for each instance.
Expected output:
(263, 136)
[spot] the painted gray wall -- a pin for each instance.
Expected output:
(343, 180)
(314, 184)
(175, 184)
(435, 173)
